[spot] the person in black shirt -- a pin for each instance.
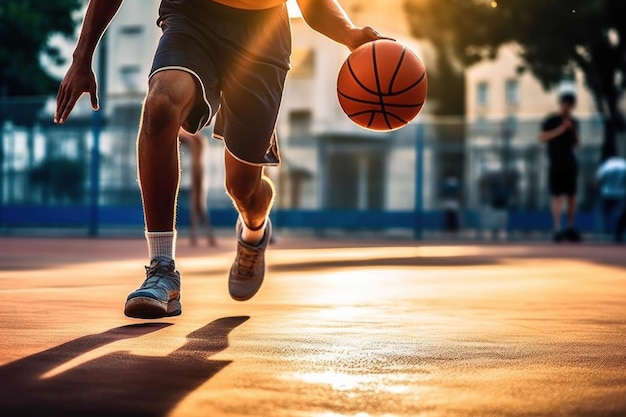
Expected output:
(560, 133)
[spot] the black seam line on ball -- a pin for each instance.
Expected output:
(380, 96)
(397, 70)
(358, 100)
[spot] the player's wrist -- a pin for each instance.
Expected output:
(81, 60)
(351, 37)
(362, 35)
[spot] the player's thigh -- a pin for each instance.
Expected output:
(251, 99)
(172, 95)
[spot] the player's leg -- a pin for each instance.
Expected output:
(571, 210)
(556, 212)
(555, 203)
(250, 146)
(252, 90)
(570, 183)
(199, 211)
(195, 208)
(171, 96)
(192, 142)
(252, 193)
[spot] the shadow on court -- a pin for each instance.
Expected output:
(116, 384)
(457, 261)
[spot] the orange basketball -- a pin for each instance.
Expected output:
(382, 85)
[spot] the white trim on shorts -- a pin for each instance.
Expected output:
(254, 164)
(204, 97)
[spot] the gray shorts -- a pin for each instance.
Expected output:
(240, 59)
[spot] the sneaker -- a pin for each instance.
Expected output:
(248, 270)
(159, 295)
(558, 236)
(572, 235)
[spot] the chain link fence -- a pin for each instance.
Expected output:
(432, 178)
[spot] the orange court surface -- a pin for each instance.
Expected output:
(341, 328)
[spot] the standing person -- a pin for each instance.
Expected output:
(198, 212)
(611, 177)
(451, 202)
(228, 57)
(560, 132)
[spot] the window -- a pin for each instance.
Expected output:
(130, 77)
(129, 45)
(481, 126)
(482, 93)
(299, 124)
(512, 92)
(131, 30)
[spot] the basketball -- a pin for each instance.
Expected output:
(382, 85)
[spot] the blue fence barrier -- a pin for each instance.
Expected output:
(427, 221)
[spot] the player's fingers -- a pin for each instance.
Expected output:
(93, 95)
(94, 100)
(373, 34)
(61, 106)
(60, 103)
(68, 105)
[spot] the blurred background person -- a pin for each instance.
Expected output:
(611, 177)
(559, 132)
(198, 211)
(451, 204)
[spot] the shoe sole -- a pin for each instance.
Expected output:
(149, 308)
(246, 297)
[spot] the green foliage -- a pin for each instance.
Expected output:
(25, 28)
(556, 36)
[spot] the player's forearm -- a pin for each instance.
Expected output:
(99, 15)
(328, 18)
(550, 134)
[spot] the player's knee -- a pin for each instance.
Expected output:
(160, 110)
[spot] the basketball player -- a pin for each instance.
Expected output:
(198, 213)
(224, 57)
(560, 133)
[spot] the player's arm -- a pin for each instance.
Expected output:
(548, 135)
(328, 18)
(80, 77)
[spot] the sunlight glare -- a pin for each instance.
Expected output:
(294, 10)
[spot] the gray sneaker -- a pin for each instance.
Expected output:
(248, 270)
(159, 295)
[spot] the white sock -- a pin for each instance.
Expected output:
(161, 244)
(253, 237)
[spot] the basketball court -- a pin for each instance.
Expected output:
(340, 328)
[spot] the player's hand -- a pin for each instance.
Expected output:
(78, 80)
(358, 36)
(567, 124)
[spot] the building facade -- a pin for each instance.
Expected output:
(504, 112)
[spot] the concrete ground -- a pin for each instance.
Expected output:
(340, 328)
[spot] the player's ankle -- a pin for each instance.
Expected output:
(161, 244)
(252, 236)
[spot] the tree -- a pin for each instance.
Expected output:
(555, 37)
(25, 29)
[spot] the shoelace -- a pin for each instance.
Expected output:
(247, 260)
(156, 273)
